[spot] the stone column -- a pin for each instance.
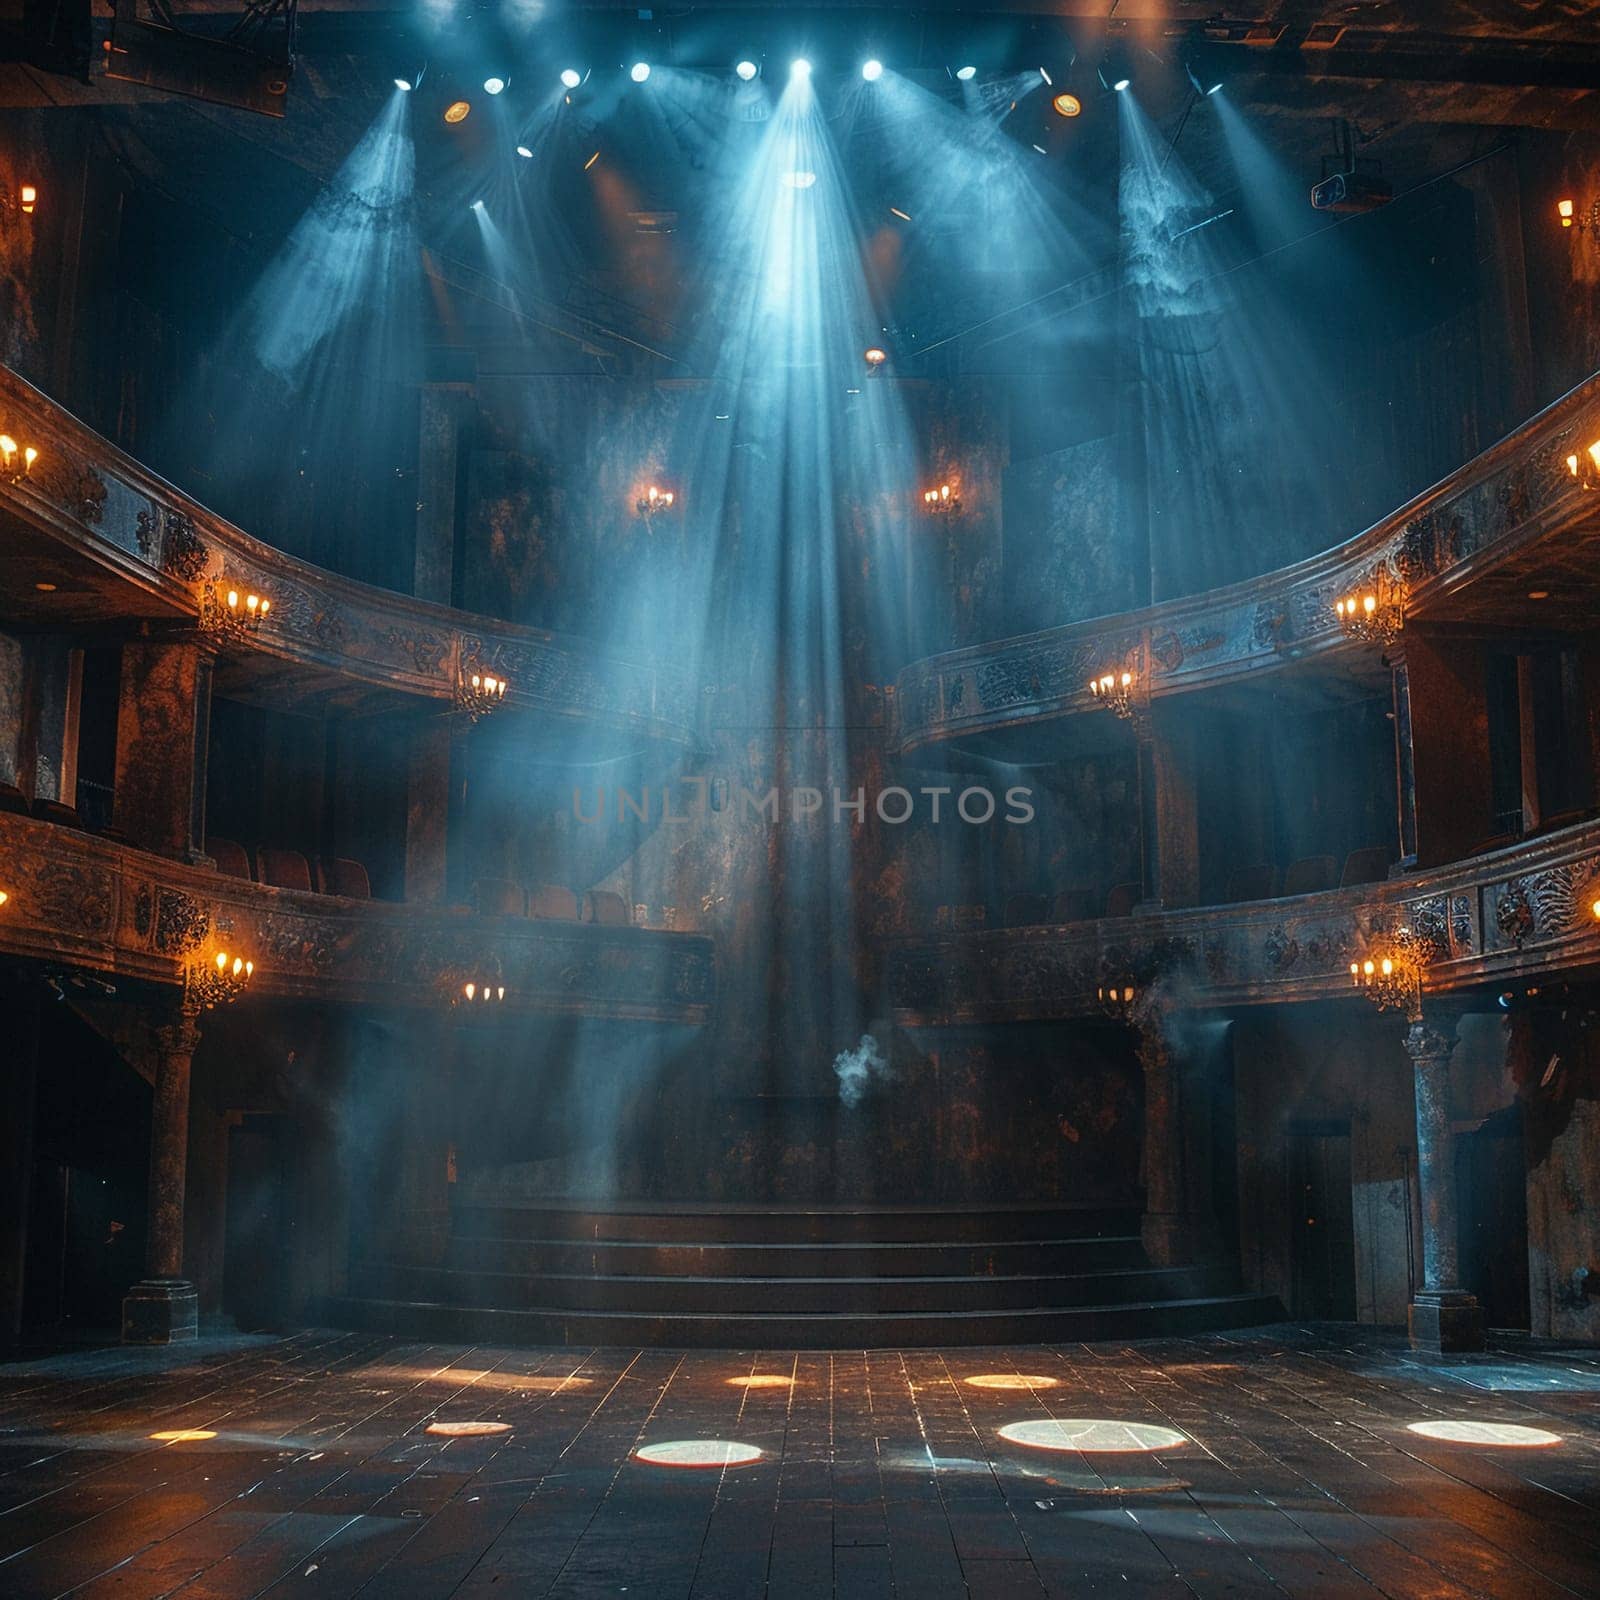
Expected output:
(164, 1307)
(1168, 819)
(1443, 1316)
(1405, 765)
(1163, 1230)
(445, 408)
(163, 739)
(428, 808)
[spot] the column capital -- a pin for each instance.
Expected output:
(179, 1035)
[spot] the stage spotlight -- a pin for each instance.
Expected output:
(1116, 68)
(457, 111)
(874, 357)
(524, 152)
(966, 74)
(872, 70)
(1202, 65)
(406, 85)
(746, 70)
(571, 77)
(477, 205)
(1049, 82)
(800, 68)
(1066, 105)
(493, 85)
(639, 71)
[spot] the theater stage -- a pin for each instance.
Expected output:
(1286, 1460)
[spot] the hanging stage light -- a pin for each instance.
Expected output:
(457, 111)
(1116, 68)
(571, 77)
(1202, 66)
(800, 68)
(966, 74)
(524, 152)
(406, 83)
(639, 71)
(872, 70)
(746, 70)
(1066, 105)
(493, 85)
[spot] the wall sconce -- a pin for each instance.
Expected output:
(1116, 999)
(654, 500)
(473, 989)
(479, 693)
(1567, 211)
(229, 613)
(16, 461)
(5, 900)
(217, 982)
(1114, 691)
(942, 499)
(27, 198)
(1584, 465)
(1375, 612)
(1390, 974)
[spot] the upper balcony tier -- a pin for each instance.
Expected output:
(1510, 541)
(92, 537)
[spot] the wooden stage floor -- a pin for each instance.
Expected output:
(310, 1471)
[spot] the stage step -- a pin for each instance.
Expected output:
(1052, 1325)
(784, 1276)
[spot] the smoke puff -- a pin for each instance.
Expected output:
(858, 1069)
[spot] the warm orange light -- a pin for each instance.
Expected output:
(874, 357)
(1066, 105)
(183, 1435)
(4, 897)
(28, 197)
(466, 1430)
(1010, 1380)
(1595, 908)
(1564, 211)
(457, 111)
(763, 1380)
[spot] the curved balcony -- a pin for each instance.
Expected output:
(1463, 547)
(1507, 918)
(124, 914)
(116, 541)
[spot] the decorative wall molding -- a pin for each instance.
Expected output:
(1498, 919)
(87, 903)
(1514, 494)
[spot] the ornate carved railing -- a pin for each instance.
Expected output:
(1514, 494)
(1512, 916)
(86, 493)
(83, 903)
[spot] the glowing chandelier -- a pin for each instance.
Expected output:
(479, 693)
(1390, 974)
(1374, 612)
(217, 982)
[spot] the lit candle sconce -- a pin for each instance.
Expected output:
(217, 981)
(1116, 998)
(1375, 611)
(27, 198)
(654, 501)
(1584, 465)
(1390, 974)
(230, 613)
(16, 461)
(5, 900)
(944, 499)
(475, 988)
(1115, 691)
(479, 693)
(1567, 211)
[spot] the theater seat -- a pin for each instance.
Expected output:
(1310, 874)
(283, 869)
(230, 858)
(12, 799)
(553, 901)
(336, 875)
(1257, 882)
(54, 811)
(1074, 905)
(1122, 899)
(1026, 910)
(498, 897)
(608, 909)
(1367, 865)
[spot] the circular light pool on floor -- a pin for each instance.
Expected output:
(763, 1380)
(1461, 1430)
(1010, 1380)
(1091, 1435)
(183, 1435)
(467, 1430)
(698, 1453)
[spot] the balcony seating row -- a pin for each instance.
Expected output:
(289, 869)
(501, 897)
(14, 801)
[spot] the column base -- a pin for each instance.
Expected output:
(160, 1311)
(1165, 1237)
(1443, 1321)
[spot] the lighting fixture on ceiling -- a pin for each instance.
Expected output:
(800, 68)
(746, 70)
(1066, 105)
(570, 77)
(654, 500)
(639, 71)
(524, 152)
(966, 74)
(457, 111)
(412, 81)
(1116, 68)
(493, 85)
(872, 70)
(874, 357)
